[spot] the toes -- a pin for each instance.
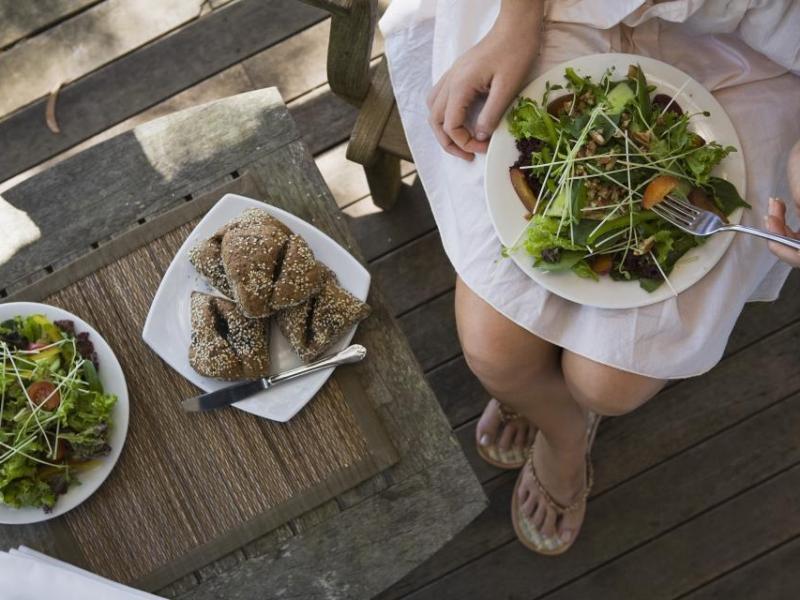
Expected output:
(528, 506)
(548, 529)
(523, 493)
(507, 437)
(521, 436)
(539, 515)
(489, 424)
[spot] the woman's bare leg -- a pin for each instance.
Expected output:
(551, 389)
(519, 369)
(606, 390)
(524, 373)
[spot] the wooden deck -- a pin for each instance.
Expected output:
(697, 492)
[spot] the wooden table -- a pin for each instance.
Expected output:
(107, 199)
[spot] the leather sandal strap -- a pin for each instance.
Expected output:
(552, 502)
(506, 414)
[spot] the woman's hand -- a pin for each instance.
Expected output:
(496, 67)
(776, 220)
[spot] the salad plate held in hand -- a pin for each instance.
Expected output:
(63, 434)
(168, 328)
(600, 156)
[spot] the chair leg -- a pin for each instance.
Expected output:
(383, 177)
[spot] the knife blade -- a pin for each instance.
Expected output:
(240, 391)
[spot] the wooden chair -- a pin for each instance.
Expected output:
(378, 141)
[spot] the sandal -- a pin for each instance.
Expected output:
(527, 534)
(511, 459)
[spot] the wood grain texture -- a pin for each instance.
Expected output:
(393, 139)
(141, 79)
(703, 547)
(622, 517)
(422, 262)
(298, 64)
(349, 553)
(80, 45)
(349, 49)
(380, 232)
(769, 577)
(335, 6)
(22, 19)
(168, 158)
(372, 117)
(383, 176)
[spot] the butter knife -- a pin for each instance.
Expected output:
(240, 391)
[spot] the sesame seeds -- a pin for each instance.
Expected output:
(266, 268)
(225, 343)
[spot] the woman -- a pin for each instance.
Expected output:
(552, 366)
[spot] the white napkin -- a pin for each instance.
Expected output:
(16, 230)
(29, 575)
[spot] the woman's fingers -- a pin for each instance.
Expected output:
(776, 223)
(500, 96)
(436, 121)
(460, 97)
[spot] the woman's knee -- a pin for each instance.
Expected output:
(495, 348)
(606, 390)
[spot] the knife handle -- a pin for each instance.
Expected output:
(351, 354)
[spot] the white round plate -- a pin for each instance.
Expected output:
(168, 328)
(508, 214)
(113, 380)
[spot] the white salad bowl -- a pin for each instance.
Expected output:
(113, 380)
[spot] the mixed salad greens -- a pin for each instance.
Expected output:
(55, 417)
(593, 162)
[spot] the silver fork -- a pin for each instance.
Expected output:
(693, 220)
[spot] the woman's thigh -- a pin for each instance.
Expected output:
(501, 353)
(606, 390)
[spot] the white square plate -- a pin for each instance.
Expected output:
(167, 329)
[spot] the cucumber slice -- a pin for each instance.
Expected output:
(619, 97)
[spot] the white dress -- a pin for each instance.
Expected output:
(747, 52)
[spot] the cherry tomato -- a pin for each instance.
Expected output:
(44, 393)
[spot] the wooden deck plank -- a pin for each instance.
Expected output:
(143, 78)
(432, 333)
(379, 232)
(772, 576)
(84, 43)
(622, 517)
(22, 19)
(229, 82)
(715, 542)
(414, 274)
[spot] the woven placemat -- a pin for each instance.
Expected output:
(189, 488)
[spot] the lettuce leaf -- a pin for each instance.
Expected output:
(529, 120)
(703, 160)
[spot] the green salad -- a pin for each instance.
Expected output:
(594, 160)
(55, 417)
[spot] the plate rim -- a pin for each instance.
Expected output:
(288, 218)
(541, 278)
(122, 404)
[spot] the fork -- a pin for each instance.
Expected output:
(696, 221)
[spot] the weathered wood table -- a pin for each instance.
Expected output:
(361, 487)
